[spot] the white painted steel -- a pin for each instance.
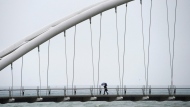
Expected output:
(32, 41)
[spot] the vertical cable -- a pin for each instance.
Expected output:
(92, 52)
(74, 59)
(118, 46)
(149, 44)
(99, 49)
(21, 72)
(143, 42)
(124, 47)
(174, 42)
(48, 65)
(39, 67)
(171, 57)
(169, 40)
(66, 56)
(12, 78)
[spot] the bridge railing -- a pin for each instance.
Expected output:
(20, 92)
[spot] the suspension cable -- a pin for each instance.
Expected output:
(21, 71)
(169, 40)
(92, 52)
(118, 46)
(99, 48)
(48, 65)
(143, 41)
(66, 56)
(39, 67)
(124, 47)
(12, 78)
(21, 76)
(174, 43)
(149, 44)
(74, 59)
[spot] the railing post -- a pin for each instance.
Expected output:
(22, 90)
(49, 90)
(94, 88)
(91, 90)
(175, 90)
(100, 90)
(125, 90)
(117, 90)
(143, 89)
(64, 90)
(12, 91)
(9, 92)
(11, 99)
(171, 89)
(75, 92)
(150, 90)
(38, 91)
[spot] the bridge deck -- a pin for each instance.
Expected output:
(83, 98)
(93, 94)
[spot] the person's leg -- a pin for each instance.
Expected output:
(104, 92)
(107, 92)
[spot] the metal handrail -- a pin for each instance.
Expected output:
(83, 88)
(171, 91)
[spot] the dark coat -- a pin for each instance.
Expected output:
(105, 87)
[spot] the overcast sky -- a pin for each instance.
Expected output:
(20, 18)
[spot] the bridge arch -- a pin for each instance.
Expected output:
(32, 41)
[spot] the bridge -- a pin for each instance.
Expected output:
(94, 92)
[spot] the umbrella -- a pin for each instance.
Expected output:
(104, 84)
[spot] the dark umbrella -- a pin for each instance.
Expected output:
(105, 84)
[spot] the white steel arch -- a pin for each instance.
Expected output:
(32, 41)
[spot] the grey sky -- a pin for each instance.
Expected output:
(23, 17)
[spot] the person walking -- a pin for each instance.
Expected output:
(105, 89)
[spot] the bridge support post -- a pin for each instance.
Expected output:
(11, 99)
(145, 95)
(38, 99)
(65, 98)
(32, 100)
(62, 99)
(115, 98)
(171, 92)
(84, 99)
